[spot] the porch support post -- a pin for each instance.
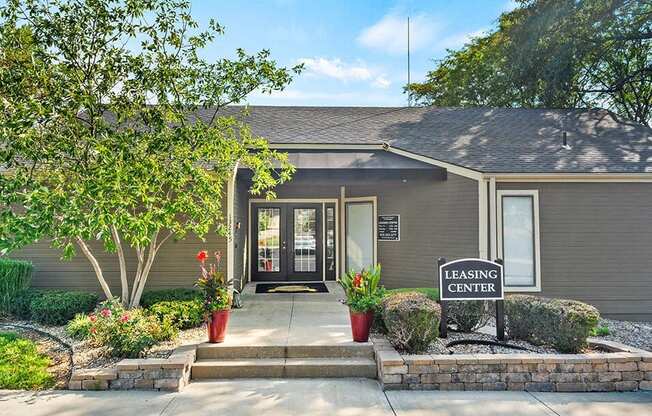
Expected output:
(493, 241)
(483, 229)
(230, 219)
(342, 231)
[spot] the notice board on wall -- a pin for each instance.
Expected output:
(389, 227)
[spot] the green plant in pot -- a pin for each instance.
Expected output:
(216, 295)
(363, 296)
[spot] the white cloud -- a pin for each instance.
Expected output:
(381, 82)
(458, 40)
(337, 69)
(389, 34)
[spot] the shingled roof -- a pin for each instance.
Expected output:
(484, 139)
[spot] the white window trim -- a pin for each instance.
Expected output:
(374, 202)
(537, 249)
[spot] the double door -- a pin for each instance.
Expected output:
(287, 242)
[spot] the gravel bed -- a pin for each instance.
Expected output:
(439, 347)
(85, 355)
(634, 334)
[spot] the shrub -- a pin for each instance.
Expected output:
(600, 331)
(15, 277)
(183, 314)
(412, 321)
(58, 307)
(431, 292)
(79, 327)
(467, 315)
(563, 324)
(21, 365)
(20, 307)
(127, 333)
(151, 297)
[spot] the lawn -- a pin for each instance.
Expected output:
(21, 365)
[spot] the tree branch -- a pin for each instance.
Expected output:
(123, 265)
(96, 266)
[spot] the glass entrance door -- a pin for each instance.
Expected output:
(287, 242)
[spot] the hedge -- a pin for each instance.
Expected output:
(411, 320)
(561, 323)
(431, 292)
(52, 307)
(15, 276)
(183, 314)
(150, 297)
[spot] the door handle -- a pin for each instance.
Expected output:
(283, 246)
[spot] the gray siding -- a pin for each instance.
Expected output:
(596, 244)
(438, 219)
(175, 265)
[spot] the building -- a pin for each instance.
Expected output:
(563, 196)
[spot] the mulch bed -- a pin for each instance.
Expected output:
(87, 356)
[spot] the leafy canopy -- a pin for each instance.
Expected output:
(553, 53)
(100, 134)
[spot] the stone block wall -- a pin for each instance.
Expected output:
(598, 372)
(169, 374)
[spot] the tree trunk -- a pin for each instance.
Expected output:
(96, 266)
(124, 298)
(144, 265)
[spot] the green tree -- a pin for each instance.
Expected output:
(554, 53)
(100, 134)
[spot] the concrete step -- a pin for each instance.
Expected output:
(284, 368)
(346, 350)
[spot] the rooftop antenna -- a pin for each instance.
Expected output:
(409, 94)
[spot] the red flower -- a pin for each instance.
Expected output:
(92, 318)
(93, 330)
(124, 318)
(357, 281)
(105, 312)
(202, 256)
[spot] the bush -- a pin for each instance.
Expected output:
(58, 307)
(150, 297)
(15, 277)
(431, 292)
(21, 365)
(127, 334)
(20, 307)
(79, 327)
(183, 314)
(563, 324)
(412, 321)
(467, 315)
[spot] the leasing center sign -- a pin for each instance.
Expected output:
(471, 279)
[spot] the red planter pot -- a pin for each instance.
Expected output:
(361, 324)
(217, 324)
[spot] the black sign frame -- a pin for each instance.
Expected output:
(381, 236)
(500, 303)
(494, 265)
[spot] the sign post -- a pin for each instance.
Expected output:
(471, 279)
(443, 328)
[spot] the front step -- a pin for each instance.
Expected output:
(284, 368)
(223, 352)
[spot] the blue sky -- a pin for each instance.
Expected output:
(354, 51)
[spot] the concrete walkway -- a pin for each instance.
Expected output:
(317, 397)
(290, 319)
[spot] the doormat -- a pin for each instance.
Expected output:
(291, 288)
